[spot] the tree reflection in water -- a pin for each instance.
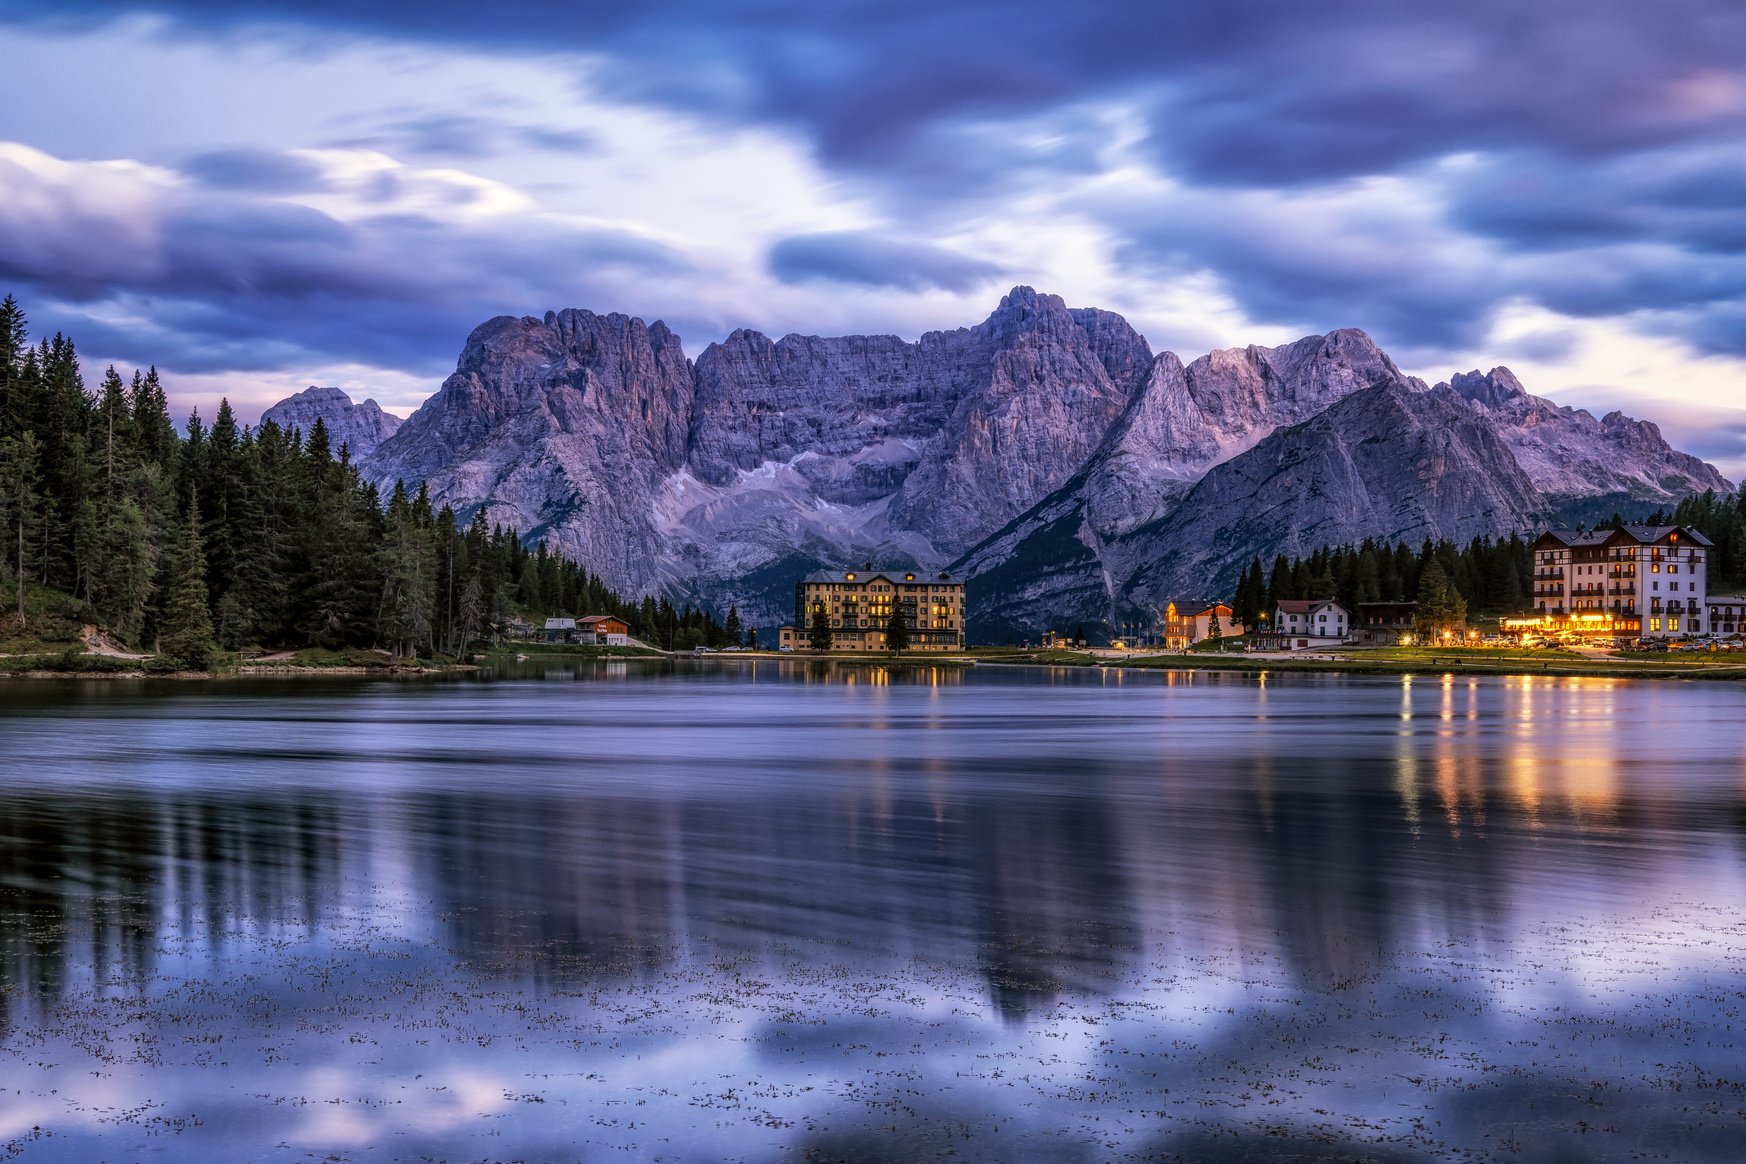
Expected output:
(1019, 915)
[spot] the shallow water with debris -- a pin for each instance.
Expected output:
(787, 911)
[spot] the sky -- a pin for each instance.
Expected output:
(259, 195)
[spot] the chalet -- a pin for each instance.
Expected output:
(1384, 624)
(860, 603)
(603, 630)
(1727, 614)
(1183, 629)
(1639, 581)
(1305, 622)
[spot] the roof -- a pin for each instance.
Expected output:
(1641, 534)
(1570, 537)
(900, 577)
(1304, 605)
(1195, 608)
(560, 624)
(1661, 533)
(594, 619)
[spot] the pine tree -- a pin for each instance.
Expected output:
(1440, 606)
(471, 612)
(18, 479)
(897, 630)
(819, 632)
(185, 630)
(1251, 597)
(734, 632)
(1215, 633)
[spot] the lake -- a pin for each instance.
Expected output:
(787, 911)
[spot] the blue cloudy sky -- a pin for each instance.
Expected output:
(258, 195)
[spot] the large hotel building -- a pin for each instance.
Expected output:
(859, 604)
(1640, 581)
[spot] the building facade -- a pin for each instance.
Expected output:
(1182, 629)
(1640, 581)
(859, 604)
(1385, 624)
(1305, 622)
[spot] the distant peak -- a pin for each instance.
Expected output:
(1492, 388)
(315, 392)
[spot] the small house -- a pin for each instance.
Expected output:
(603, 630)
(1192, 622)
(560, 630)
(1384, 624)
(1306, 622)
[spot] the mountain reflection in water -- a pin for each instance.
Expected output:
(775, 911)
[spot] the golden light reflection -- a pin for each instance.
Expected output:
(1406, 778)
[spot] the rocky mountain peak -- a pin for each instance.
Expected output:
(359, 427)
(1497, 388)
(1047, 448)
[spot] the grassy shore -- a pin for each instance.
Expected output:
(1417, 661)
(502, 651)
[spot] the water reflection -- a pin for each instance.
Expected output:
(1101, 886)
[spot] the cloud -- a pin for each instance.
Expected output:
(264, 171)
(1245, 92)
(472, 135)
(871, 260)
(1375, 257)
(213, 277)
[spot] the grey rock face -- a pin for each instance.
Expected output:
(1046, 451)
(1391, 462)
(359, 427)
(1567, 453)
(564, 427)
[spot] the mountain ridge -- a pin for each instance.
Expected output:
(1047, 451)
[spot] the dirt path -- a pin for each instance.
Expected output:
(98, 643)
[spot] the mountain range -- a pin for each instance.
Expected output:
(1047, 453)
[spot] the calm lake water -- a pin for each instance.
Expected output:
(785, 912)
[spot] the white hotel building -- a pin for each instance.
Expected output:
(1641, 581)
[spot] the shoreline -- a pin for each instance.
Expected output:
(1571, 668)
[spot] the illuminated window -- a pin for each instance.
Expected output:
(1654, 624)
(1673, 624)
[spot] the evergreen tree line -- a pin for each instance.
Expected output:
(1490, 576)
(233, 536)
(1486, 576)
(1721, 517)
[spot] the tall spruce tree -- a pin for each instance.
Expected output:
(185, 626)
(18, 479)
(897, 629)
(818, 634)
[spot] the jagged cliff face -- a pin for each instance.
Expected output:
(1567, 453)
(359, 427)
(1047, 451)
(566, 427)
(920, 449)
(1393, 462)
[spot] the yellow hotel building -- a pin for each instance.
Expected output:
(859, 604)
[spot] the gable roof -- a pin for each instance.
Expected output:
(1305, 605)
(896, 577)
(1645, 535)
(596, 619)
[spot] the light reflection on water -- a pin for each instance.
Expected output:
(774, 911)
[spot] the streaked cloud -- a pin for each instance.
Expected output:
(355, 186)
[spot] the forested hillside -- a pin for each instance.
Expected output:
(227, 537)
(1492, 576)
